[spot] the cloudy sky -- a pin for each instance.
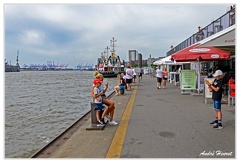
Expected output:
(79, 33)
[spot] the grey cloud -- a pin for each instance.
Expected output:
(79, 33)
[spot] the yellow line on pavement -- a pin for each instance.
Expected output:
(115, 148)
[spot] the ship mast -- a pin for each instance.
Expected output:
(107, 51)
(104, 57)
(112, 44)
(17, 58)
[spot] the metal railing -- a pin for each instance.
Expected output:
(216, 26)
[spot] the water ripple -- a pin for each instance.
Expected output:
(39, 105)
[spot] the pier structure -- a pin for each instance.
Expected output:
(155, 123)
(162, 123)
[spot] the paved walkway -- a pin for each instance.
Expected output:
(166, 124)
(162, 124)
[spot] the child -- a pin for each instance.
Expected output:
(99, 103)
(216, 87)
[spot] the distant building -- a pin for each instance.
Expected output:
(139, 60)
(136, 58)
(132, 55)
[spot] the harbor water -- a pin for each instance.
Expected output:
(40, 105)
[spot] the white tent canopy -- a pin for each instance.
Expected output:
(167, 61)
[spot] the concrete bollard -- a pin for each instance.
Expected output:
(93, 113)
(93, 125)
(121, 91)
(122, 87)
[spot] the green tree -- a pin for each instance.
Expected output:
(135, 65)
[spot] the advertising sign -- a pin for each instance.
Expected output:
(187, 80)
(208, 94)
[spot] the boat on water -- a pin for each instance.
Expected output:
(110, 65)
(12, 68)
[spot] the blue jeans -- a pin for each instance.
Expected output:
(100, 107)
(217, 104)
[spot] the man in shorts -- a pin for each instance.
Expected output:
(159, 76)
(217, 90)
(129, 76)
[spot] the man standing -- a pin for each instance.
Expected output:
(129, 76)
(159, 76)
(200, 34)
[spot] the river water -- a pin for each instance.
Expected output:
(39, 105)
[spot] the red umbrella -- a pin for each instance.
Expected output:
(194, 53)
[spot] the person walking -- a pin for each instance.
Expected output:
(216, 88)
(140, 74)
(159, 76)
(165, 77)
(134, 76)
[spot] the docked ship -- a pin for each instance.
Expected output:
(110, 65)
(12, 68)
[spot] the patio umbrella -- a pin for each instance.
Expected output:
(195, 53)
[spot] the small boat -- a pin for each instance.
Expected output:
(12, 68)
(110, 65)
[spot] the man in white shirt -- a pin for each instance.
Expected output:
(129, 75)
(159, 76)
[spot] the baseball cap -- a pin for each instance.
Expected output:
(95, 81)
(217, 73)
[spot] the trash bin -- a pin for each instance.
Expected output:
(122, 87)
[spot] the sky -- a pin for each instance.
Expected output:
(78, 33)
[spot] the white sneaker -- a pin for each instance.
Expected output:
(107, 117)
(113, 123)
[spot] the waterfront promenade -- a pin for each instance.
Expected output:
(156, 123)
